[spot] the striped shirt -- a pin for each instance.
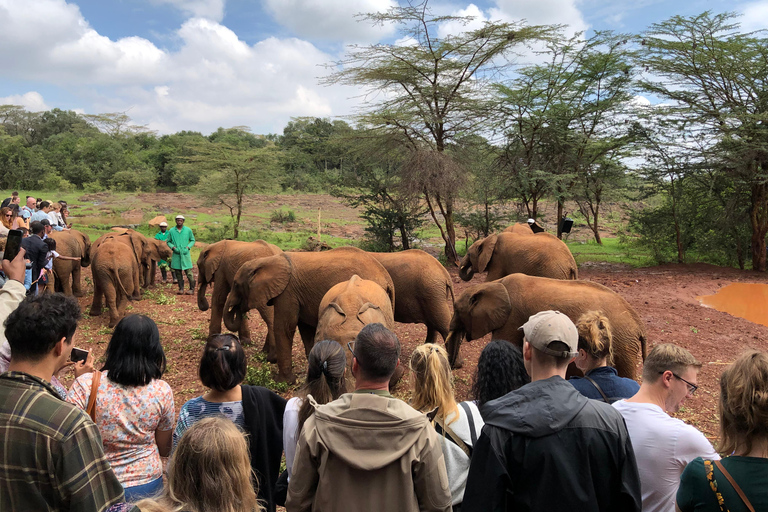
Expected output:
(51, 457)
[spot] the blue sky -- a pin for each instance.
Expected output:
(200, 64)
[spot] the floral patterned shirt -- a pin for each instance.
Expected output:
(127, 417)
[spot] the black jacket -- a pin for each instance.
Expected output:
(263, 413)
(545, 447)
(36, 251)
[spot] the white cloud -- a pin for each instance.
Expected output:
(210, 9)
(331, 19)
(755, 16)
(541, 12)
(457, 27)
(31, 101)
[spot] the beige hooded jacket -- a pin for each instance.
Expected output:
(368, 452)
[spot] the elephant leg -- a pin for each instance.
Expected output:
(110, 296)
(98, 296)
(218, 300)
(268, 315)
(152, 272)
(76, 286)
(64, 283)
(284, 347)
(136, 284)
(307, 333)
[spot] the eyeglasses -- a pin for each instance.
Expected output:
(691, 387)
(351, 347)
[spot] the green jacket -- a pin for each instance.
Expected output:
(180, 243)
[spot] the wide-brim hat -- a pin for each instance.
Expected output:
(179, 216)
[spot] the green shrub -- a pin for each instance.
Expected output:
(260, 374)
(282, 216)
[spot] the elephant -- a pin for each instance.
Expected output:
(502, 307)
(295, 284)
(218, 263)
(351, 305)
(114, 277)
(147, 252)
(424, 290)
(537, 254)
(524, 228)
(139, 250)
(158, 250)
(67, 273)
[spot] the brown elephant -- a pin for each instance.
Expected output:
(524, 228)
(139, 246)
(424, 290)
(218, 263)
(157, 250)
(538, 254)
(295, 284)
(114, 272)
(75, 244)
(502, 307)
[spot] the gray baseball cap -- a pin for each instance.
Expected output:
(547, 326)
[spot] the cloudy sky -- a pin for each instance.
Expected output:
(200, 64)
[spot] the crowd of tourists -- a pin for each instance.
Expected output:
(528, 440)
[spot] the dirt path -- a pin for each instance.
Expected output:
(665, 297)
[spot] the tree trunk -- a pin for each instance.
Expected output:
(535, 210)
(450, 243)
(404, 237)
(560, 208)
(759, 219)
(239, 213)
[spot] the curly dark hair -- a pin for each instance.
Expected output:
(39, 323)
(500, 369)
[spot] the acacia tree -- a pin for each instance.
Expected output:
(426, 90)
(717, 80)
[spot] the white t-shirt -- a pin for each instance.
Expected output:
(663, 446)
(52, 217)
(290, 436)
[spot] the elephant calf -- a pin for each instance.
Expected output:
(502, 307)
(115, 276)
(75, 244)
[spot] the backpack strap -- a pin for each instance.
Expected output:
(445, 430)
(472, 432)
(735, 486)
(597, 387)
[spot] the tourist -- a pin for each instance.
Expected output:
(134, 407)
(28, 209)
(743, 412)
(162, 264)
(395, 462)
(181, 240)
(6, 220)
(209, 470)
(457, 425)
(42, 212)
(8, 200)
(500, 369)
(545, 446)
(36, 251)
(664, 445)
(17, 221)
(52, 457)
(326, 371)
(600, 381)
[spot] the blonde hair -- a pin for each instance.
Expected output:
(744, 403)
(667, 357)
(595, 336)
(210, 470)
(433, 381)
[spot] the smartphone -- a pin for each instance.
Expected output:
(12, 244)
(78, 355)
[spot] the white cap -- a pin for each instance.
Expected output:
(179, 216)
(531, 221)
(547, 326)
(163, 224)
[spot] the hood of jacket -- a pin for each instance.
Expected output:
(368, 431)
(537, 409)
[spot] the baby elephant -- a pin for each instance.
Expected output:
(348, 307)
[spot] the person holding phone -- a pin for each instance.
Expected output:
(36, 252)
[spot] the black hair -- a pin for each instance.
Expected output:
(44, 204)
(377, 351)
(134, 355)
(36, 227)
(500, 369)
(39, 323)
(51, 243)
(222, 366)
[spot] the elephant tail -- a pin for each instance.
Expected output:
(118, 283)
(449, 291)
(573, 275)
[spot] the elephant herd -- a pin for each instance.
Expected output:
(333, 294)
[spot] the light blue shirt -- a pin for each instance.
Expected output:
(39, 215)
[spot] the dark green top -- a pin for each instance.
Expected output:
(750, 473)
(56, 460)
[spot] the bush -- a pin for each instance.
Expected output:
(260, 374)
(282, 216)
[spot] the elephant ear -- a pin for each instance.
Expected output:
(369, 313)
(264, 279)
(339, 310)
(485, 251)
(489, 309)
(209, 260)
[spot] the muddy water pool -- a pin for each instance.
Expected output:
(745, 300)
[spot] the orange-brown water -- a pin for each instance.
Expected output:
(745, 300)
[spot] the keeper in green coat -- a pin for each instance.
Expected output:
(162, 264)
(181, 240)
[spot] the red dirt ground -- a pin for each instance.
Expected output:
(665, 297)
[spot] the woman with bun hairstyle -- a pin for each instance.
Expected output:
(459, 425)
(600, 381)
(209, 470)
(708, 485)
(326, 370)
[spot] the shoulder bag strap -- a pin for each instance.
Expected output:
(446, 430)
(472, 432)
(91, 409)
(605, 398)
(735, 486)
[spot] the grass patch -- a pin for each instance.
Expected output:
(160, 298)
(259, 373)
(282, 216)
(611, 251)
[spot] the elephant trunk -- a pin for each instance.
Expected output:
(453, 347)
(234, 310)
(202, 300)
(465, 269)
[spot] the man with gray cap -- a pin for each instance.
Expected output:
(547, 447)
(181, 240)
